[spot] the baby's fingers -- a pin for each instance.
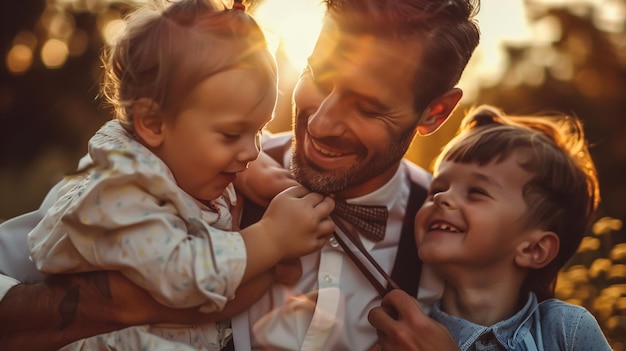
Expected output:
(326, 228)
(324, 206)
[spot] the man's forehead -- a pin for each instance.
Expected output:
(361, 47)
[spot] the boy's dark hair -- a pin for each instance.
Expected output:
(444, 31)
(563, 191)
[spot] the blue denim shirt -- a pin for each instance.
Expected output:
(547, 326)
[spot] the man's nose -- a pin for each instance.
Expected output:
(328, 119)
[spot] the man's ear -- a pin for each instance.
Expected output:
(437, 112)
(538, 251)
(148, 121)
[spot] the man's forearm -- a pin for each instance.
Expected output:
(46, 316)
(65, 308)
(247, 294)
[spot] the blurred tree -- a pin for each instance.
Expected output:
(47, 114)
(581, 74)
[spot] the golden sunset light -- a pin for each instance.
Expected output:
(294, 24)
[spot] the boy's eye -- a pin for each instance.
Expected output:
(231, 136)
(478, 191)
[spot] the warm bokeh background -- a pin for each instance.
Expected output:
(535, 55)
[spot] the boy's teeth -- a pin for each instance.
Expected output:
(445, 227)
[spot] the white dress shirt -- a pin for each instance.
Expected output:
(327, 309)
(6, 283)
(15, 263)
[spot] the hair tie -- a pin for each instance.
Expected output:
(482, 117)
(238, 4)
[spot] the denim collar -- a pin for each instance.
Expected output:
(508, 332)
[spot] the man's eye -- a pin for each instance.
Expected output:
(367, 112)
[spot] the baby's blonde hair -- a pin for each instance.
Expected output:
(168, 48)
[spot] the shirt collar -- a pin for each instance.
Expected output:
(386, 194)
(508, 332)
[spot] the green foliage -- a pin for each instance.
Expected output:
(595, 278)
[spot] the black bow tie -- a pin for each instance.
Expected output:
(369, 221)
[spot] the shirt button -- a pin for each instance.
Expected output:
(333, 242)
(328, 279)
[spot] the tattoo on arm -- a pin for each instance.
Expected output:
(69, 306)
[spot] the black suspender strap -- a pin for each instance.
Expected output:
(407, 267)
(361, 266)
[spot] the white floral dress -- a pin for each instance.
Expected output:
(125, 212)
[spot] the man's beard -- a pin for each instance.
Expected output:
(329, 182)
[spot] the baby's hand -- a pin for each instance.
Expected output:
(298, 221)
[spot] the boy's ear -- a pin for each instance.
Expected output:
(437, 112)
(538, 251)
(148, 121)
